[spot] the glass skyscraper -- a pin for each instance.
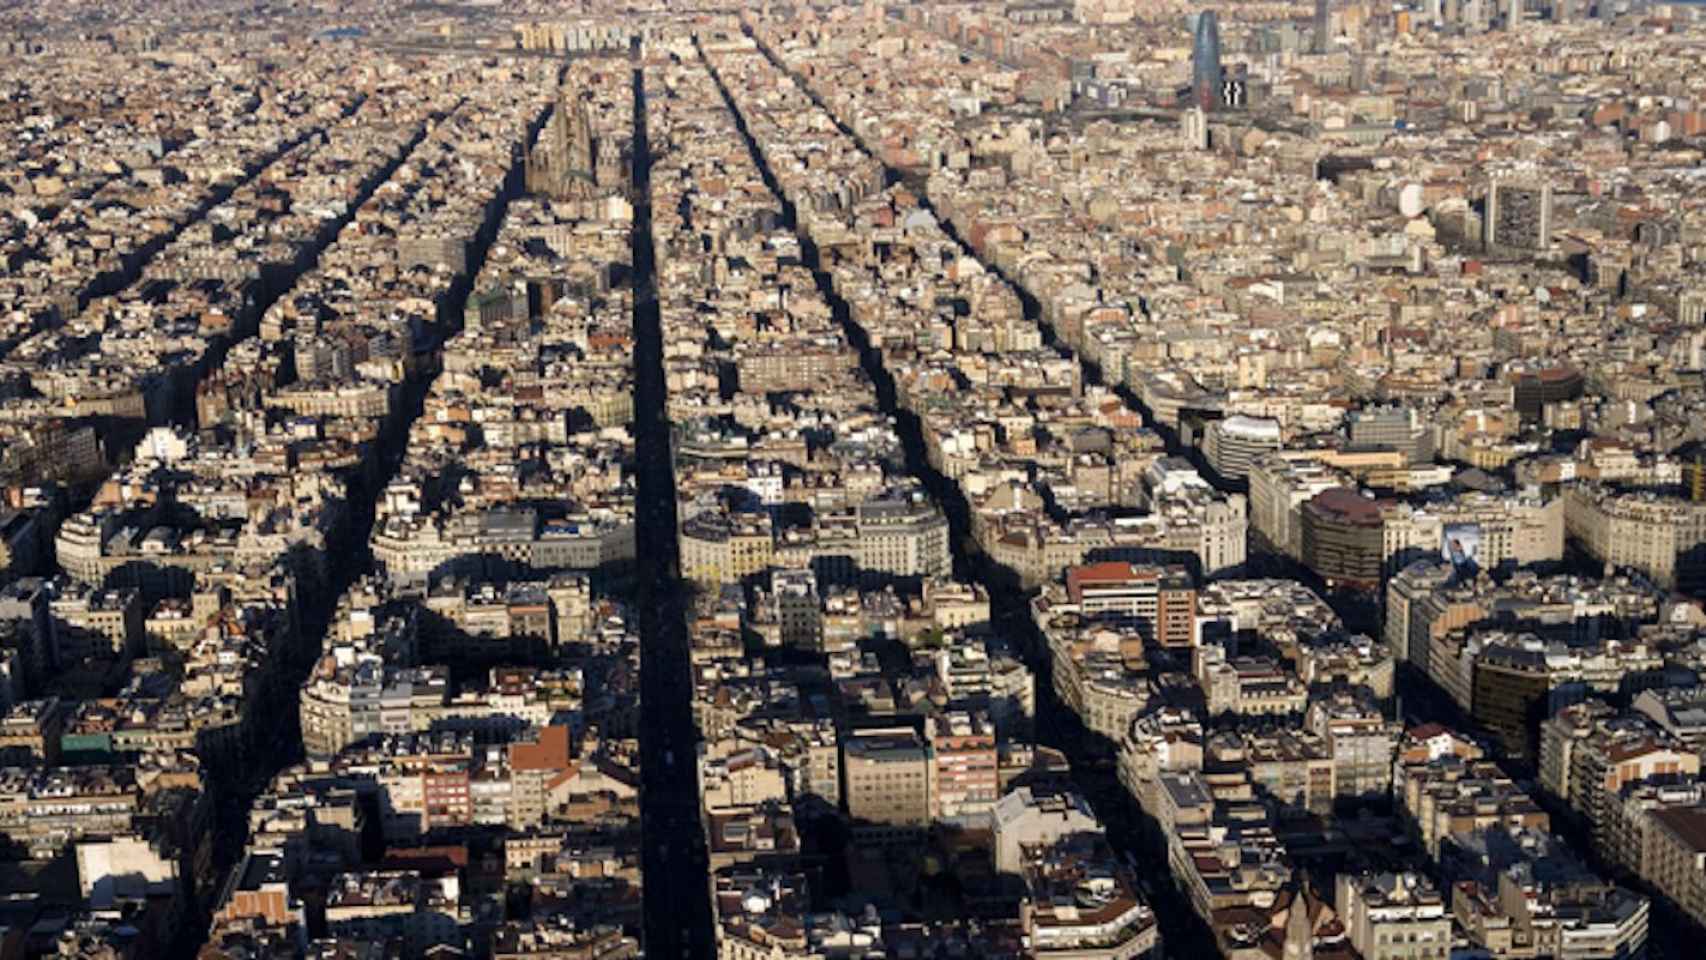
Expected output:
(1205, 61)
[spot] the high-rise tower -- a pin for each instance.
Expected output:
(1518, 216)
(1319, 42)
(1205, 61)
(1193, 126)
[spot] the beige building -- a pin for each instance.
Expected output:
(888, 783)
(726, 549)
(1394, 916)
(1591, 757)
(97, 623)
(1280, 484)
(1028, 817)
(1674, 858)
(124, 866)
(1362, 743)
(1643, 531)
(1166, 740)
(1513, 530)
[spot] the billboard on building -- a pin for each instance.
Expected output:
(1460, 543)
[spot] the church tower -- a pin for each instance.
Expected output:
(562, 164)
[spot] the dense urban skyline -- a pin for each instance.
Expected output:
(1059, 479)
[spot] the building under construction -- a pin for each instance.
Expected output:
(570, 161)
